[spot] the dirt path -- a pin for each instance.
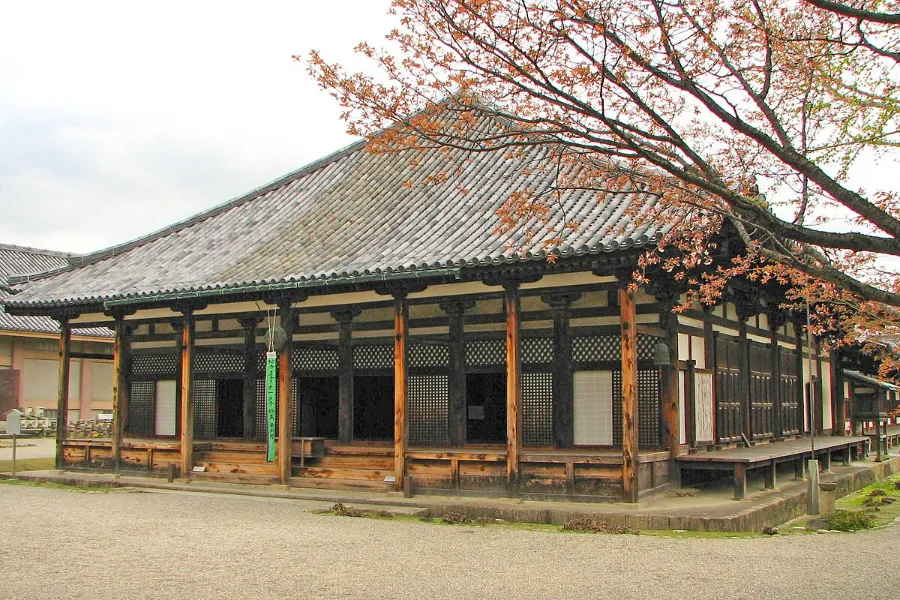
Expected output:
(74, 544)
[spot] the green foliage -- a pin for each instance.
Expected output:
(850, 520)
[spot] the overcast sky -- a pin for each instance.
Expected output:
(119, 118)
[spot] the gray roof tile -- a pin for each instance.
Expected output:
(348, 215)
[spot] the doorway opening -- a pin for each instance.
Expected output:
(486, 408)
(229, 408)
(318, 399)
(373, 408)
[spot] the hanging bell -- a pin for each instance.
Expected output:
(661, 354)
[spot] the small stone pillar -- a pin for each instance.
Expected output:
(827, 497)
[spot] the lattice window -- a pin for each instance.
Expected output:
(373, 357)
(486, 352)
(648, 409)
(596, 348)
(537, 350)
(154, 364)
(428, 355)
(261, 361)
(427, 406)
(537, 409)
(260, 411)
(617, 408)
(140, 408)
(314, 359)
(218, 362)
(204, 409)
(645, 344)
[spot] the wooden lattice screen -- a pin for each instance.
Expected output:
(217, 362)
(141, 408)
(162, 365)
(429, 356)
(260, 411)
(482, 353)
(649, 434)
(427, 407)
(537, 409)
(373, 357)
(314, 359)
(204, 409)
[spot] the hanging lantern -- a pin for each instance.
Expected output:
(660, 354)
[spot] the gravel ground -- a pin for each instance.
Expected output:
(57, 543)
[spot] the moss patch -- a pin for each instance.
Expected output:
(28, 464)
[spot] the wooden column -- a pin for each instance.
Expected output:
(563, 385)
(799, 322)
(285, 393)
(250, 373)
(839, 418)
(629, 397)
(745, 305)
(513, 385)
(690, 403)
(345, 373)
(120, 389)
(401, 372)
(62, 405)
(776, 321)
(456, 382)
(671, 422)
(186, 391)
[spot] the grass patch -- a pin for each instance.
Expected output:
(28, 464)
(875, 505)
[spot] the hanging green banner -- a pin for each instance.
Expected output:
(271, 404)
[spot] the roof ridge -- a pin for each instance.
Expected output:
(41, 251)
(82, 260)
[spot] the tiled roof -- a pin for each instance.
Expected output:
(352, 215)
(18, 262)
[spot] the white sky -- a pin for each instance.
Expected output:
(119, 118)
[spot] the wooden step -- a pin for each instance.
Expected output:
(235, 478)
(359, 450)
(346, 473)
(340, 484)
(355, 462)
(243, 468)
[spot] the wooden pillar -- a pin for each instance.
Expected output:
(250, 374)
(120, 389)
(401, 373)
(62, 405)
(745, 305)
(690, 403)
(669, 385)
(629, 397)
(776, 321)
(456, 385)
(799, 322)
(285, 393)
(839, 418)
(563, 385)
(345, 373)
(186, 391)
(513, 386)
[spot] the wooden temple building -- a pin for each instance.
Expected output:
(425, 354)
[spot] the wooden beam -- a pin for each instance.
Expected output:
(62, 406)
(285, 393)
(249, 396)
(457, 421)
(187, 393)
(629, 397)
(513, 386)
(344, 318)
(401, 372)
